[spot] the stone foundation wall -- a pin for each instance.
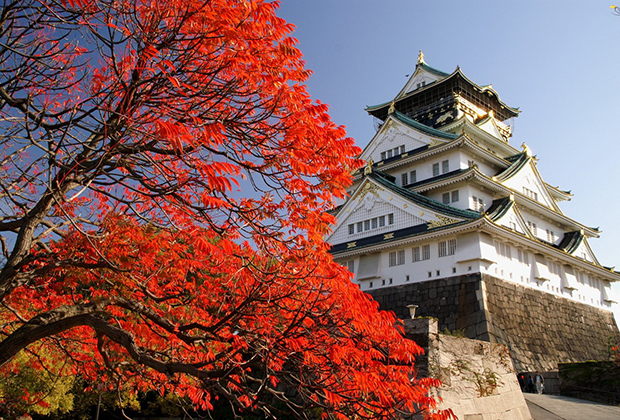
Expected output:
(540, 329)
(455, 301)
(479, 381)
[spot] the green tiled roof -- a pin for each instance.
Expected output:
(425, 201)
(571, 241)
(518, 161)
(425, 128)
(433, 70)
(438, 178)
(499, 208)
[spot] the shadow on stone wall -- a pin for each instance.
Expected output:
(593, 381)
(540, 329)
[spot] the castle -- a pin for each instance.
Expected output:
(450, 217)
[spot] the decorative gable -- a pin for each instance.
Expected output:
(490, 126)
(374, 209)
(523, 177)
(512, 219)
(393, 139)
(584, 252)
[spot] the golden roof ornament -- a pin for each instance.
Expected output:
(526, 149)
(392, 108)
(368, 168)
(421, 58)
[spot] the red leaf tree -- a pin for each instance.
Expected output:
(164, 184)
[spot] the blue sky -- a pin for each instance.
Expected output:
(558, 61)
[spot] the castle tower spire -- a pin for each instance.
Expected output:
(421, 58)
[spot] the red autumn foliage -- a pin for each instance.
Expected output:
(164, 182)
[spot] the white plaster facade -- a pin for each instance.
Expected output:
(457, 198)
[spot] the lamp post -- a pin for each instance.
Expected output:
(412, 309)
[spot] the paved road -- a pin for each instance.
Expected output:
(555, 407)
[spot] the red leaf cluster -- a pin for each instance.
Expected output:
(165, 182)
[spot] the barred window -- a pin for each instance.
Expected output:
(397, 257)
(404, 179)
(445, 166)
(351, 229)
(351, 266)
(413, 176)
(445, 198)
(443, 248)
(452, 247)
(426, 252)
(435, 169)
(455, 196)
(416, 256)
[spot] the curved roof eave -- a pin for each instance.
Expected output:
(517, 164)
(456, 73)
(518, 196)
(425, 128)
(425, 201)
(487, 88)
(543, 246)
(466, 124)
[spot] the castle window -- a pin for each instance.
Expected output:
(550, 236)
(397, 258)
(443, 248)
(452, 247)
(450, 197)
(404, 179)
(370, 224)
(412, 176)
(445, 166)
(416, 256)
(350, 265)
(426, 252)
(402, 149)
(532, 227)
(389, 153)
(383, 155)
(478, 204)
(531, 194)
(435, 169)
(447, 247)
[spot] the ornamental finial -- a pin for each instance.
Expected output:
(421, 57)
(368, 168)
(392, 108)
(526, 150)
